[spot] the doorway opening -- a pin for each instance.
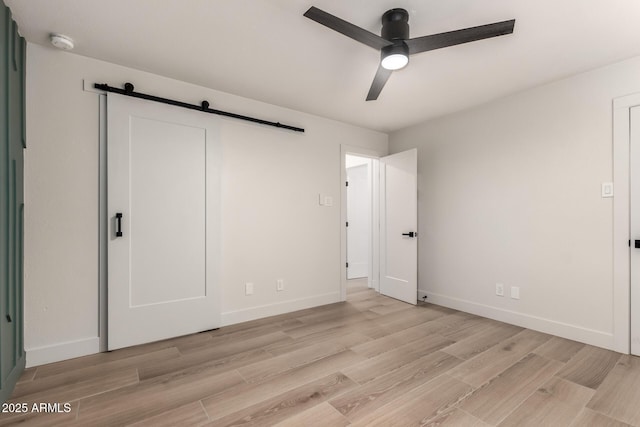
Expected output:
(360, 234)
(385, 247)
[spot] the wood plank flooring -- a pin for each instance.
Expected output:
(367, 362)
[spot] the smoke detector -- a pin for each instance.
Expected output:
(61, 42)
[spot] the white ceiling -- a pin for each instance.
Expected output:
(266, 49)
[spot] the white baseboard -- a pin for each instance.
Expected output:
(57, 352)
(69, 350)
(253, 313)
(548, 326)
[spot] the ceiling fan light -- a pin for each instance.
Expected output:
(395, 61)
(395, 57)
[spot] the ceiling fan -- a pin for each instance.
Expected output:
(394, 43)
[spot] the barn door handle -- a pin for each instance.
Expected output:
(118, 224)
(410, 234)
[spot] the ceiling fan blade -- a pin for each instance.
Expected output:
(382, 75)
(346, 28)
(466, 35)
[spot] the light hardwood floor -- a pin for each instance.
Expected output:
(369, 361)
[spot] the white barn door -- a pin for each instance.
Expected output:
(163, 204)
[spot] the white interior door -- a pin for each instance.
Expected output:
(163, 202)
(359, 219)
(635, 228)
(399, 226)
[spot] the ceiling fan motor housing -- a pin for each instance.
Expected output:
(395, 25)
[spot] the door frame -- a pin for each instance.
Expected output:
(103, 233)
(621, 225)
(374, 265)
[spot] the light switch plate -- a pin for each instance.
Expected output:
(607, 189)
(325, 200)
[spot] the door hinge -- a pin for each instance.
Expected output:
(347, 265)
(346, 184)
(347, 223)
(9, 319)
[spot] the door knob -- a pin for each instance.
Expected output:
(410, 234)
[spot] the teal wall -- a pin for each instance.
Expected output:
(12, 144)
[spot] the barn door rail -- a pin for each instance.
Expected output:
(204, 106)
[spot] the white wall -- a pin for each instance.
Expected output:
(510, 192)
(272, 224)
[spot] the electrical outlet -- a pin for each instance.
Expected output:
(500, 289)
(248, 288)
(515, 292)
(279, 285)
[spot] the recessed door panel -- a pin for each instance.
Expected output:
(168, 173)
